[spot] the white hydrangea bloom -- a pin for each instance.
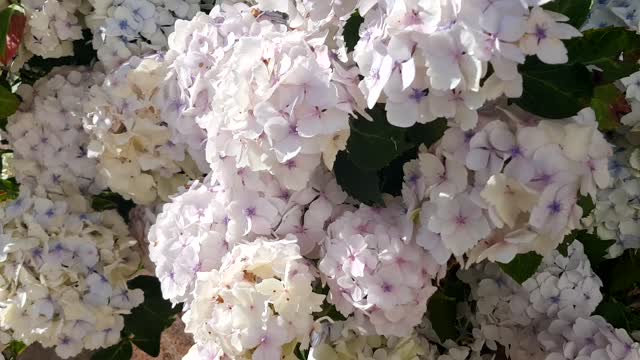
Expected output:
(123, 28)
(564, 288)
(203, 223)
(52, 26)
(64, 273)
(425, 59)
(619, 13)
(340, 341)
(296, 113)
(617, 208)
(46, 134)
(261, 299)
(465, 200)
(283, 106)
(587, 338)
(137, 155)
(373, 268)
(188, 237)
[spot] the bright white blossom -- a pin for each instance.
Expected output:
(426, 59)
(202, 224)
(506, 187)
(283, 107)
(137, 155)
(260, 300)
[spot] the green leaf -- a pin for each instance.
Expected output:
(352, 31)
(587, 205)
(83, 54)
(301, 354)
(626, 273)
(5, 22)
(147, 321)
(603, 48)
(108, 200)
(362, 185)
(14, 349)
(594, 247)
(606, 102)
(576, 10)
(372, 145)
(442, 314)
(522, 266)
(8, 103)
(563, 248)
(9, 189)
(554, 91)
(330, 311)
(428, 133)
(618, 314)
(442, 306)
(121, 351)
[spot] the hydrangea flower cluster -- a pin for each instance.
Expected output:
(373, 268)
(137, 156)
(587, 338)
(52, 26)
(614, 13)
(631, 84)
(338, 341)
(202, 224)
(64, 273)
(506, 187)
(283, 107)
(616, 213)
(266, 249)
(261, 299)
(123, 29)
(563, 289)
(46, 134)
(426, 59)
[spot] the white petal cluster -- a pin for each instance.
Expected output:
(52, 26)
(505, 188)
(425, 59)
(198, 49)
(47, 136)
(631, 84)
(373, 268)
(617, 208)
(202, 224)
(282, 107)
(588, 338)
(619, 13)
(563, 289)
(126, 28)
(260, 300)
(342, 343)
(188, 237)
(136, 153)
(63, 273)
